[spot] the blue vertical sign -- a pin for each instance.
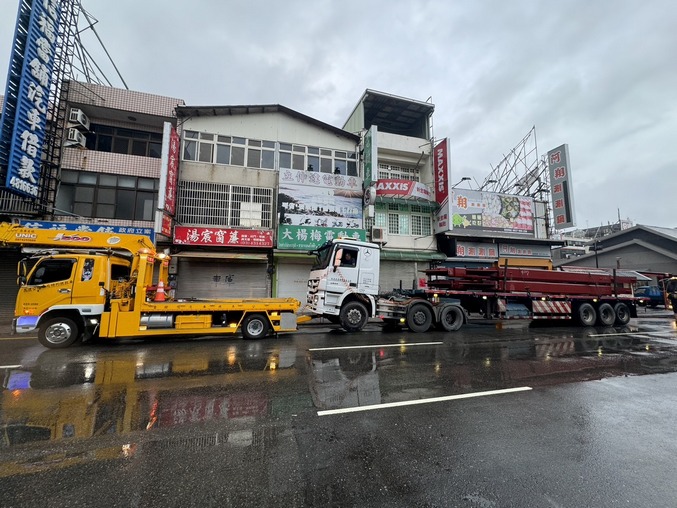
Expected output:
(38, 39)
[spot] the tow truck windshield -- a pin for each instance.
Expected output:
(322, 256)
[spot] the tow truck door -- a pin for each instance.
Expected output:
(50, 283)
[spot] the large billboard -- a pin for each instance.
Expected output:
(442, 182)
(489, 211)
(24, 115)
(316, 207)
(562, 187)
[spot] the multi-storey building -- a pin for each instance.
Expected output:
(396, 150)
(109, 170)
(259, 185)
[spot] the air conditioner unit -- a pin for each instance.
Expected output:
(378, 235)
(78, 117)
(75, 138)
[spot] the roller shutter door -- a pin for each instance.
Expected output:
(292, 280)
(221, 279)
(392, 272)
(8, 264)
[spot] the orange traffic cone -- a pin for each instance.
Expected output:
(160, 292)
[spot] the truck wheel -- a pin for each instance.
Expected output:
(622, 313)
(605, 315)
(419, 318)
(58, 333)
(587, 315)
(451, 318)
(255, 326)
(353, 316)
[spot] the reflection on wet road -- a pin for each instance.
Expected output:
(146, 401)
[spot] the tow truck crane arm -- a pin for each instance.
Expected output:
(23, 236)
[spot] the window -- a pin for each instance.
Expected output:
(107, 196)
(214, 204)
(52, 270)
(103, 138)
(404, 219)
(228, 150)
(389, 171)
(260, 154)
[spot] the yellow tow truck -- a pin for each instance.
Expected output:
(108, 285)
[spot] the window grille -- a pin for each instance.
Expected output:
(216, 204)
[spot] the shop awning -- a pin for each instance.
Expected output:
(296, 255)
(403, 201)
(409, 255)
(244, 256)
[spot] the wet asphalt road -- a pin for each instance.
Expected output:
(325, 418)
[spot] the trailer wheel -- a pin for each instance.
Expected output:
(353, 316)
(605, 315)
(419, 318)
(622, 313)
(59, 332)
(587, 315)
(255, 326)
(451, 318)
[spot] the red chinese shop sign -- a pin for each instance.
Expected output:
(186, 235)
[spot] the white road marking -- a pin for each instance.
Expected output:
(407, 344)
(421, 401)
(10, 366)
(633, 334)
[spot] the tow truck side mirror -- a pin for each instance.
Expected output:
(337, 258)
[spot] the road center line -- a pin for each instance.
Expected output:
(407, 344)
(421, 401)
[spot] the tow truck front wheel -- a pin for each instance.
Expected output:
(57, 333)
(353, 316)
(255, 326)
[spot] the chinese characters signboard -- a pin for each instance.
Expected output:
(89, 228)
(169, 175)
(370, 155)
(24, 116)
(476, 250)
(314, 207)
(184, 235)
(489, 211)
(562, 188)
(442, 179)
(308, 237)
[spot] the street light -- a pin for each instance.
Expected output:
(464, 179)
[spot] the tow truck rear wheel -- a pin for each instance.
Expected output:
(451, 318)
(255, 326)
(587, 315)
(353, 316)
(622, 313)
(605, 315)
(419, 318)
(59, 332)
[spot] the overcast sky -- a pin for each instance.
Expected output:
(599, 75)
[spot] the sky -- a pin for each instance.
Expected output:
(599, 76)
